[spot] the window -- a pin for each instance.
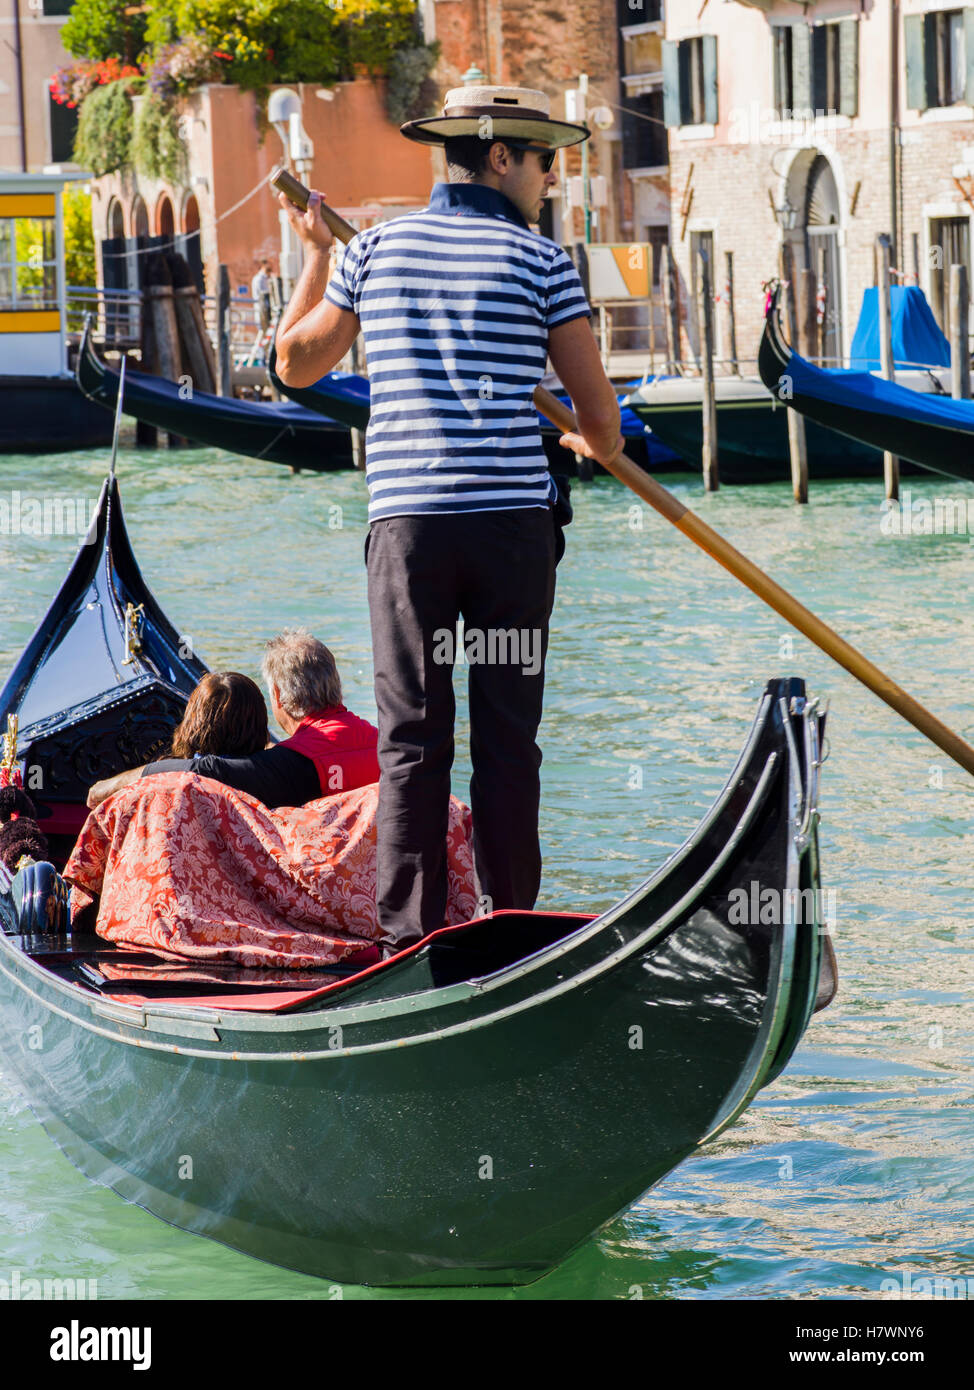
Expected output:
(658, 237)
(700, 241)
(28, 267)
(937, 45)
(643, 132)
(950, 244)
(816, 68)
(638, 12)
(781, 36)
(690, 81)
(63, 123)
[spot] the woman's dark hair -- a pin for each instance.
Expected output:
(225, 715)
(466, 156)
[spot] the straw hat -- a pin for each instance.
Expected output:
(493, 113)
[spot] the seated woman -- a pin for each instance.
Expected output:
(223, 733)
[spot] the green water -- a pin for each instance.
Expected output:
(857, 1163)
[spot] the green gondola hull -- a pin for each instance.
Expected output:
(472, 1111)
(752, 442)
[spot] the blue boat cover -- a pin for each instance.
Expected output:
(863, 391)
(917, 340)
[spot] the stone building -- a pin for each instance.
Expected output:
(34, 130)
(822, 127)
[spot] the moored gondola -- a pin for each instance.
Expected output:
(346, 396)
(465, 1113)
(274, 431)
(928, 429)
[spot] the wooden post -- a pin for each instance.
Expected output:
(147, 436)
(891, 464)
(731, 349)
(960, 349)
(671, 310)
(797, 445)
(651, 257)
(808, 309)
(223, 363)
(916, 258)
(823, 285)
(705, 322)
(358, 448)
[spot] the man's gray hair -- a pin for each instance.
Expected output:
(304, 671)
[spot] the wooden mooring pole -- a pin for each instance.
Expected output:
(705, 321)
(731, 326)
(960, 347)
(224, 368)
(797, 446)
(671, 310)
(891, 464)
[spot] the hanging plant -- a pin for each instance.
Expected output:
(103, 141)
(158, 149)
(411, 92)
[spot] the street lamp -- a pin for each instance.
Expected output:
(284, 114)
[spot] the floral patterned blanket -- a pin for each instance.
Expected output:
(186, 867)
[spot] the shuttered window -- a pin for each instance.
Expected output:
(690, 81)
(939, 58)
(816, 68)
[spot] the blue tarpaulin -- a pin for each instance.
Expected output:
(917, 340)
(862, 392)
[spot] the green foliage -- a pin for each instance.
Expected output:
(372, 31)
(257, 43)
(158, 150)
(411, 93)
(79, 237)
(103, 29)
(104, 137)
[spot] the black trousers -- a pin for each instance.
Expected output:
(496, 570)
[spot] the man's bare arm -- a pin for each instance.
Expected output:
(575, 357)
(314, 334)
(102, 790)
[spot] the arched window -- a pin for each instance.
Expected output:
(165, 222)
(115, 222)
(191, 214)
(139, 217)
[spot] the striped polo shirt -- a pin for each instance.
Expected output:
(456, 303)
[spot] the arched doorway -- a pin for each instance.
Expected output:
(822, 245)
(813, 203)
(115, 221)
(140, 217)
(165, 221)
(191, 214)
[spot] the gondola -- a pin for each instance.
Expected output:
(275, 431)
(930, 430)
(467, 1112)
(752, 431)
(346, 396)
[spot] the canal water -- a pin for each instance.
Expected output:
(855, 1166)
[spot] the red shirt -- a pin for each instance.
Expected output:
(341, 746)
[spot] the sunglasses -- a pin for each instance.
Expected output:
(546, 155)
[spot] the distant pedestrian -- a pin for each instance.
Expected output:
(260, 292)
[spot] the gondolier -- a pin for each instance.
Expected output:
(460, 305)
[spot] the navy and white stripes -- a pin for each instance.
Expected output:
(455, 304)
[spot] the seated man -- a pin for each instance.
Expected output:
(224, 730)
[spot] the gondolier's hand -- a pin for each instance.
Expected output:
(310, 226)
(580, 445)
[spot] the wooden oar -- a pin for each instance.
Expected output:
(800, 617)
